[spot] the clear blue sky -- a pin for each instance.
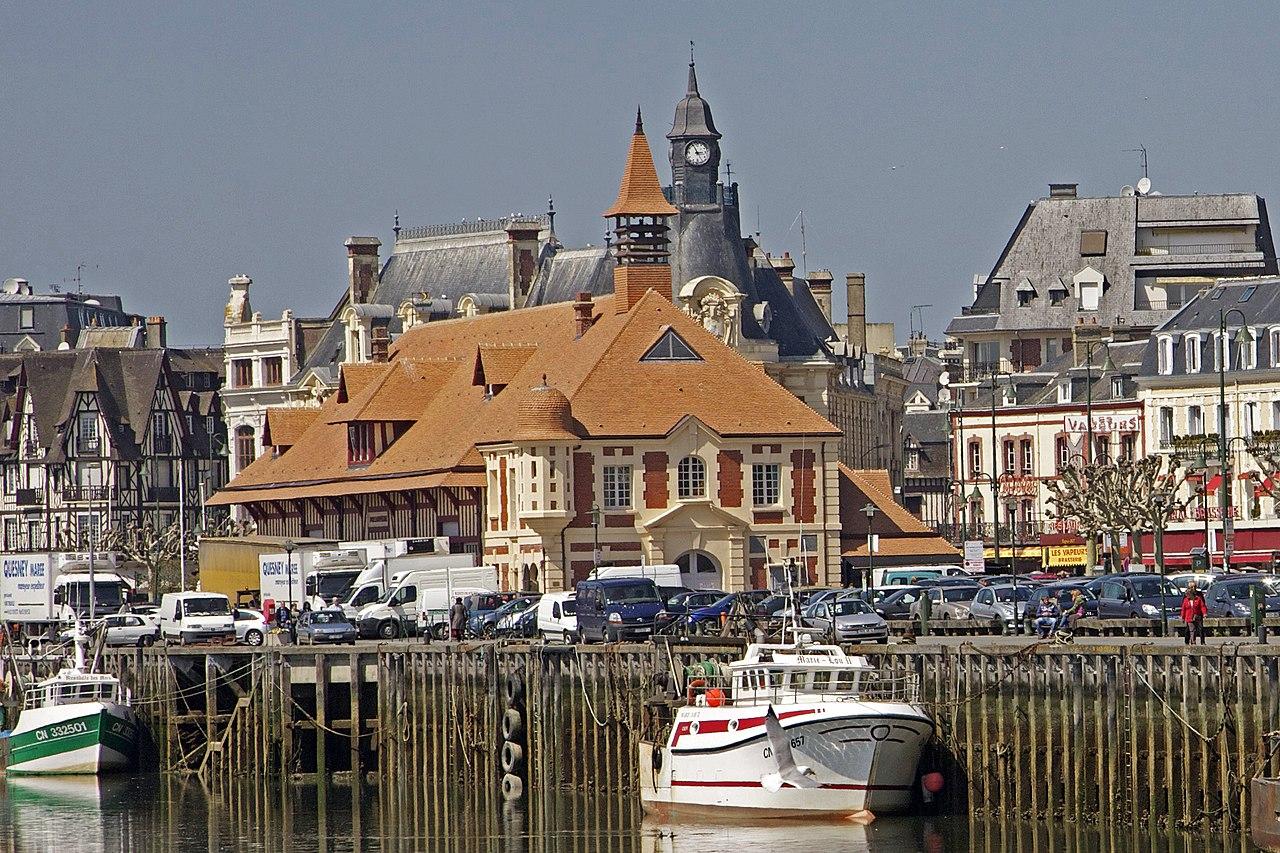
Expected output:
(170, 146)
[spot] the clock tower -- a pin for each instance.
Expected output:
(695, 150)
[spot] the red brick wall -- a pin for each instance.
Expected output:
(584, 488)
(803, 486)
(730, 464)
(502, 494)
(656, 493)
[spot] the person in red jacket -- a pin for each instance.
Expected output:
(1193, 613)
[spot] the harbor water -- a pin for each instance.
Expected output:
(166, 812)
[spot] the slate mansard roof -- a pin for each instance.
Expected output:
(1045, 250)
(1257, 299)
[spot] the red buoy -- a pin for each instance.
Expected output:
(933, 782)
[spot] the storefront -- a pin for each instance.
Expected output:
(1254, 547)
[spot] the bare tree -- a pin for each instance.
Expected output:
(1119, 496)
(158, 550)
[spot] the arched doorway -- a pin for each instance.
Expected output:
(699, 570)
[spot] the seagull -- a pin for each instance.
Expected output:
(788, 773)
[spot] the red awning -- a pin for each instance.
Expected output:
(1265, 487)
(1213, 484)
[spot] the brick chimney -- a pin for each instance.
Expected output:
(786, 269)
(156, 336)
(1082, 335)
(820, 287)
(581, 314)
(64, 337)
(379, 341)
(1063, 190)
(522, 238)
(362, 266)
(855, 288)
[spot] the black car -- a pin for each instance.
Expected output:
(897, 604)
(1233, 596)
(527, 627)
(1136, 595)
(679, 605)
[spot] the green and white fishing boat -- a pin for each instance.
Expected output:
(74, 722)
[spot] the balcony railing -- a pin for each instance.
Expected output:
(29, 497)
(1199, 249)
(83, 494)
(163, 494)
(1020, 532)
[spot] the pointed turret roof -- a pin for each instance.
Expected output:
(693, 114)
(640, 193)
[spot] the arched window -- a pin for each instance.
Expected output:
(1191, 344)
(691, 478)
(1164, 355)
(246, 447)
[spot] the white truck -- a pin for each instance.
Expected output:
(397, 613)
(384, 573)
(332, 575)
(662, 574)
(45, 588)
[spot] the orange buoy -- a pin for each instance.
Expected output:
(715, 697)
(933, 782)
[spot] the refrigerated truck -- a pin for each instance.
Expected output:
(54, 588)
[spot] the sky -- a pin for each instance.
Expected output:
(167, 147)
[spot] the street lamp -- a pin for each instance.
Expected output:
(995, 465)
(1243, 336)
(288, 551)
(870, 512)
(1160, 502)
(1011, 505)
(595, 536)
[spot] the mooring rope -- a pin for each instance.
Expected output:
(582, 684)
(1206, 738)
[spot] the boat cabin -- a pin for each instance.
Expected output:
(70, 687)
(788, 673)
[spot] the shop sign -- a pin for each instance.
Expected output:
(1103, 423)
(1068, 555)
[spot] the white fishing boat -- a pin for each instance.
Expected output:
(74, 722)
(790, 730)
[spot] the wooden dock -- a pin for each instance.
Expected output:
(1148, 735)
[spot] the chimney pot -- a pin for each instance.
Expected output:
(582, 320)
(156, 335)
(1062, 190)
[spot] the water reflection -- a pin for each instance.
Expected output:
(145, 813)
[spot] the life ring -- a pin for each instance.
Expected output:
(695, 685)
(715, 697)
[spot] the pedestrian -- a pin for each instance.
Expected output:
(1193, 613)
(1046, 616)
(334, 605)
(283, 618)
(1073, 614)
(457, 619)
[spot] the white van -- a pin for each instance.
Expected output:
(396, 615)
(556, 616)
(193, 617)
(434, 604)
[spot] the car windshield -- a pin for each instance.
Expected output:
(330, 584)
(851, 607)
(1005, 594)
(487, 602)
(772, 604)
(1270, 585)
(960, 593)
(702, 599)
(1150, 588)
(568, 607)
(631, 593)
(329, 617)
(206, 606)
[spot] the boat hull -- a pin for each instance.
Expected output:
(864, 758)
(88, 737)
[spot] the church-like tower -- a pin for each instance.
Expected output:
(695, 149)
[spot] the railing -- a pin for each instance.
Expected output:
(1021, 532)
(769, 687)
(977, 371)
(479, 226)
(73, 494)
(1198, 249)
(163, 494)
(88, 446)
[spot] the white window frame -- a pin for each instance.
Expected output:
(1164, 424)
(1249, 352)
(1064, 392)
(27, 318)
(1274, 338)
(1164, 355)
(615, 486)
(1191, 343)
(1195, 420)
(691, 478)
(1063, 447)
(766, 484)
(1026, 449)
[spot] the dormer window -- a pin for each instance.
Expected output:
(1089, 284)
(1247, 359)
(670, 347)
(1164, 355)
(1057, 293)
(360, 447)
(1117, 386)
(1064, 392)
(1274, 341)
(1026, 293)
(1191, 343)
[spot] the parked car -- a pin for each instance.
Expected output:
(710, 615)
(507, 617)
(613, 609)
(897, 604)
(251, 626)
(771, 605)
(556, 617)
(677, 608)
(947, 601)
(1061, 593)
(1136, 595)
(810, 595)
(324, 626)
(1233, 596)
(849, 620)
(1004, 604)
(123, 629)
(527, 627)
(1202, 579)
(188, 617)
(481, 607)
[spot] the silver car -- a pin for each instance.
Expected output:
(948, 602)
(251, 626)
(124, 629)
(850, 620)
(996, 604)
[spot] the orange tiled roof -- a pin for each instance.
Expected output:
(640, 193)
(612, 393)
(286, 424)
(901, 533)
(499, 363)
(400, 391)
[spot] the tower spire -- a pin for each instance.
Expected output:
(693, 74)
(639, 120)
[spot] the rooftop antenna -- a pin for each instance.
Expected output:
(757, 223)
(804, 249)
(551, 214)
(77, 279)
(1141, 150)
(917, 313)
(728, 173)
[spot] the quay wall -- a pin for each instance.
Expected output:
(1149, 735)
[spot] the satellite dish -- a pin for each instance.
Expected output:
(1154, 192)
(944, 379)
(1144, 186)
(1126, 191)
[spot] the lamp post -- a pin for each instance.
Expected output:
(1223, 356)
(595, 536)
(995, 466)
(1011, 506)
(1160, 502)
(870, 512)
(288, 551)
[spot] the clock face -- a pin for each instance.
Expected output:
(697, 153)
